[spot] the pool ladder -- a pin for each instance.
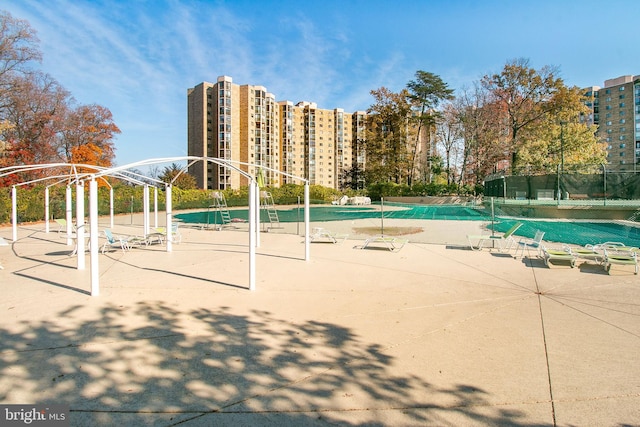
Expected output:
(220, 204)
(266, 200)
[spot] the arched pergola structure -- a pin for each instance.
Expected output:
(68, 174)
(122, 172)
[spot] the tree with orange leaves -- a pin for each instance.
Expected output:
(41, 122)
(87, 136)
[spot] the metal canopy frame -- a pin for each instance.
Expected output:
(122, 172)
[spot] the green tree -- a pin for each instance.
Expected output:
(536, 108)
(524, 97)
(178, 175)
(386, 137)
(425, 94)
(562, 139)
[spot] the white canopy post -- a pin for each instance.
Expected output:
(46, 210)
(307, 238)
(93, 237)
(252, 234)
(111, 207)
(14, 213)
(257, 214)
(155, 207)
(80, 225)
(168, 227)
(68, 215)
(145, 210)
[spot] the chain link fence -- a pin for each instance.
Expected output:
(588, 184)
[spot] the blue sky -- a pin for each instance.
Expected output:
(139, 57)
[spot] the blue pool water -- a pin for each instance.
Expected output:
(576, 232)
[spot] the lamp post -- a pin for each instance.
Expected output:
(562, 123)
(561, 168)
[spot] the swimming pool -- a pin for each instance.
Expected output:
(576, 232)
(325, 213)
(579, 232)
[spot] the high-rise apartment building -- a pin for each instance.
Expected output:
(235, 123)
(213, 130)
(615, 109)
(245, 124)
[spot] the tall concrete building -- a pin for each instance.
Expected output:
(245, 124)
(213, 130)
(235, 123)
(615, 109)
(359, 127)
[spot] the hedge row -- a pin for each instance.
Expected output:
(391, 189)
(30, 201)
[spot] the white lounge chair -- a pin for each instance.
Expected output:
(588, 253)
(115, 241)
(160, 234)
(321, 235)
(505, 241)
(530, 243)
(62, 225)
(393, 244)
(620, 256)
(563, 254)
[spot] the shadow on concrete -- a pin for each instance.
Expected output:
(52, 283)
(150, 363)
(178, 275)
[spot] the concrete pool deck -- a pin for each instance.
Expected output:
(434, 334)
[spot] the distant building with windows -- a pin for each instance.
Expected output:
(246, 125)
(615, 109)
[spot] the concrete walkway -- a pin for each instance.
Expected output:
(434, 334)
